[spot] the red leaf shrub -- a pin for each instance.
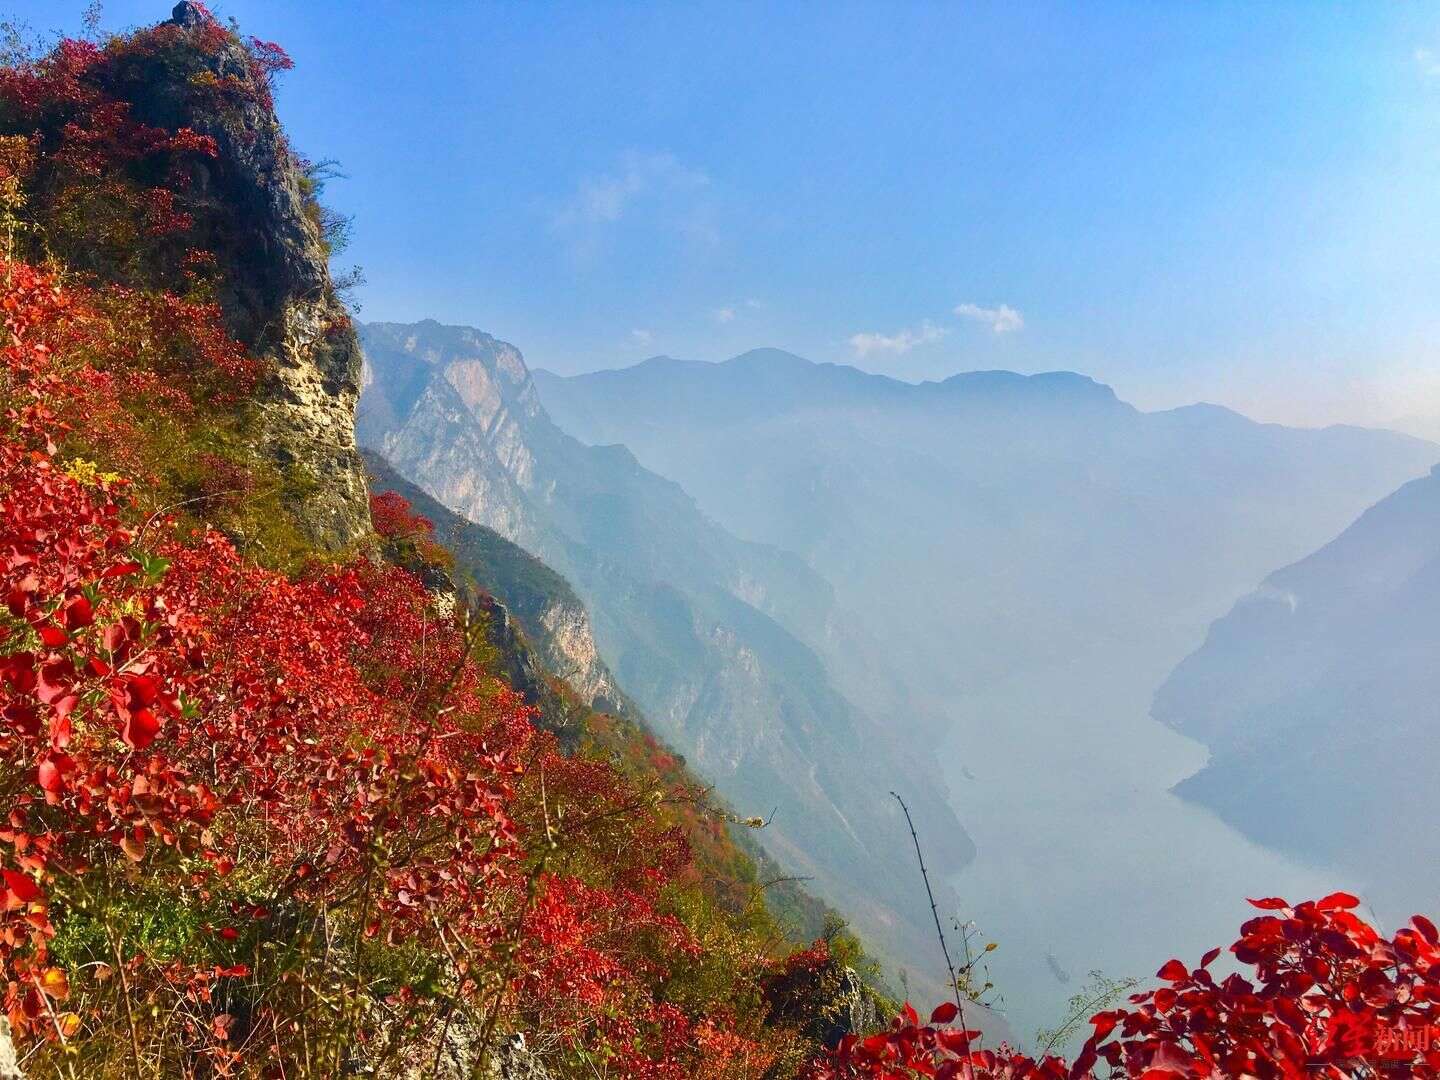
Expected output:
(1329, 996)
(289, 760)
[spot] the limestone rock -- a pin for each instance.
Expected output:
(9, 1062)
(251, 210)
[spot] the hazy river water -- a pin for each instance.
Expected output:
(1084, 856)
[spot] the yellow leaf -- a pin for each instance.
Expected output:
(54, 983)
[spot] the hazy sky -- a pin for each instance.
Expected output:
(1230, 202)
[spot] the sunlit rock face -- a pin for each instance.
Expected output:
(714, 637)
(251, 210)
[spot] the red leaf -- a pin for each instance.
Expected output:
(78, 613)
(1270, 903)
(1338, 901)
(1104, 1024)
(1173, 971)
(943, 1014)
(50, 777)
(140, 730)
(133, 844)
(22, 885)
(1209, 957)
(1426, 929)
(54, 681)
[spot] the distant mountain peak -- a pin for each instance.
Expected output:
(770, 356)
(1069, 384)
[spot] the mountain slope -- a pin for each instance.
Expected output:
(708, 633)
(543, 640)
(550, 614)
(1019, 562)
(1319, 698)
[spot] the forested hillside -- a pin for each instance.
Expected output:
(272, 802)
(290, 791)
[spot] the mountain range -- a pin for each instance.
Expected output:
(992, 527)
(711, 635)
(1018, 563)
(983, 580)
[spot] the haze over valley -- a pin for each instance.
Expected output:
(624, 540)
(984, 580)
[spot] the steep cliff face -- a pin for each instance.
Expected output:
(553, 620)
(711, 635)
(417, 413)
(251, 210)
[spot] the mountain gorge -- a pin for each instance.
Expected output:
(991, 524)
(1018, 562)
(711, 635)
(1318, 697)
(398, 763)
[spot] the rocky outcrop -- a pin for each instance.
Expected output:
(253, 208)
(457, 1057)
(826, 1000)
(516, 1061)
(535, 607)
(568, 645)
(9, 1063)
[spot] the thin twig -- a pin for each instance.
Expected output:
(935, 911)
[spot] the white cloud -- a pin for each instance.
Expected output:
(642, 337)
(1002, 319)
(901, 341)
(606, 197)
(653, 190)
(730, 312)
(1429, 62)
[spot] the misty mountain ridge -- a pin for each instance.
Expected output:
(989, 575)
(712, 636)
(1018, 563)
(779, 380)
(1318, 696)
(986, 470)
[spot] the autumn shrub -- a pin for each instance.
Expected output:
(258, 818)
(266, 812)
(271, 815)
(1327, 996)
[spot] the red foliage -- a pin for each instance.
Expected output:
(92, 144)
(1329, 997)
(393, 519)
(165, 704)
(159, 691)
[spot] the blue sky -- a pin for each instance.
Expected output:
(1229, 202)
